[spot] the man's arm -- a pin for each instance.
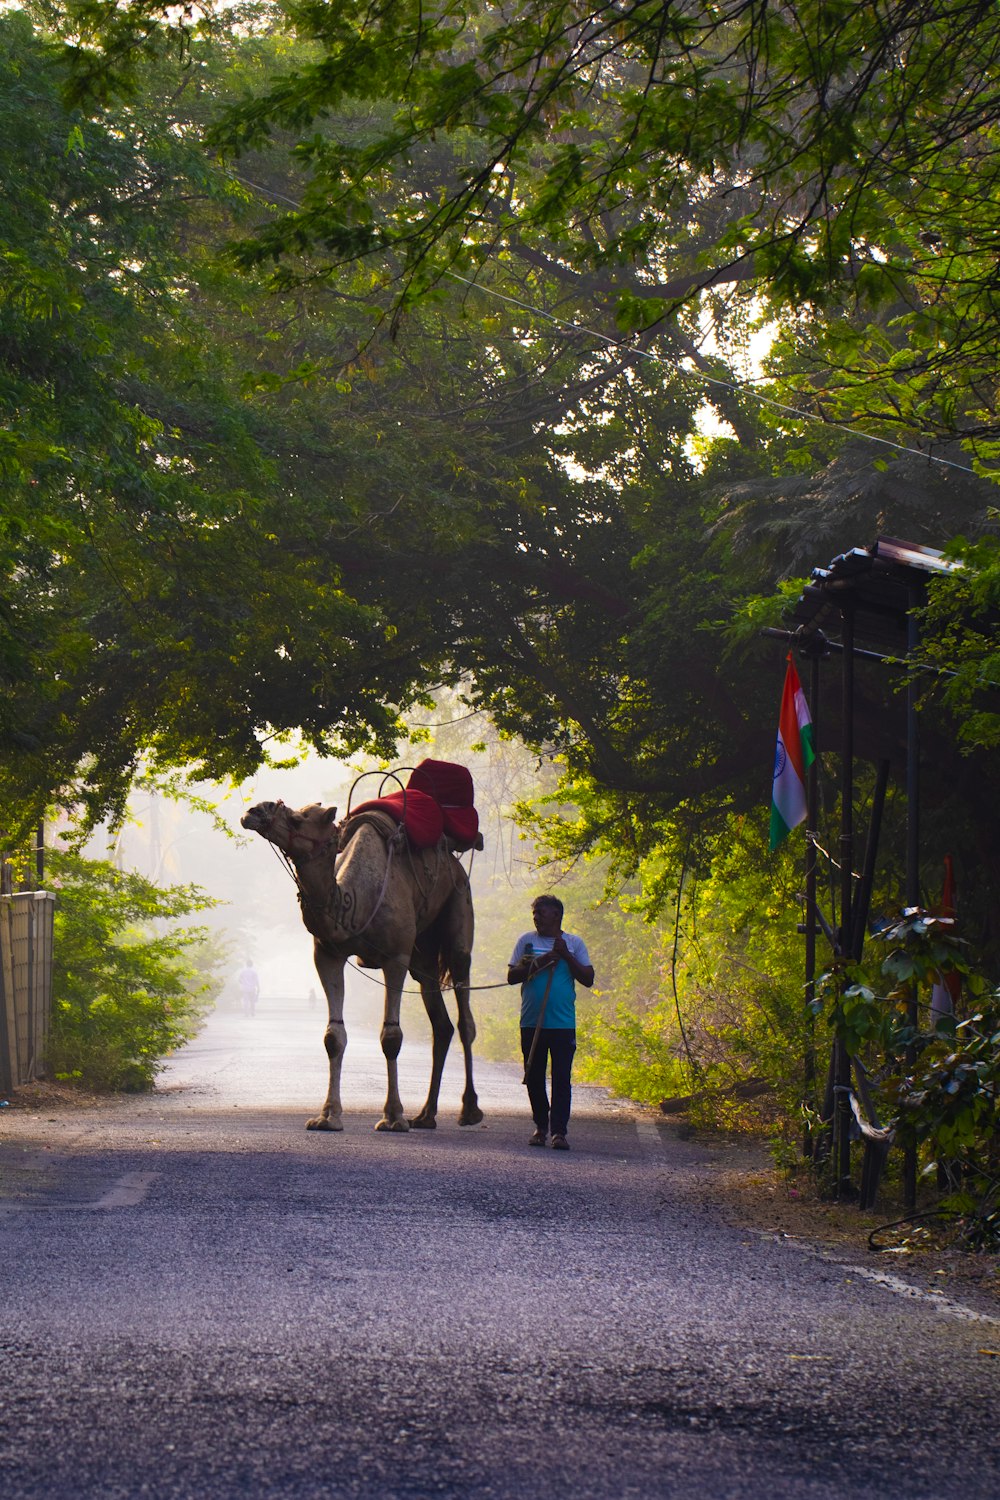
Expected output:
(582, 973)
(518, 972)
(531, 963)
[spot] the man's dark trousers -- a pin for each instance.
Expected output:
(559, 1043)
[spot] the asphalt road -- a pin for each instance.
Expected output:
(201, 1299)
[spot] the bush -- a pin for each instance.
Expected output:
(125, 989)
(634, 1054)
(939, 1078)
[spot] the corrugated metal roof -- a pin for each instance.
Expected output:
(914, 555)
(883, 582)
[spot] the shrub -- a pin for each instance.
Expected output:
(940, 1077)
(634, 1054)
(125, 989)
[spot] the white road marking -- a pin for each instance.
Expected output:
(894, 1284)
(936, 1299)
(651, 1142)
(127, 1192)
(649, 1137)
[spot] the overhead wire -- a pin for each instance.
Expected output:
(728, 385)
(734, 387)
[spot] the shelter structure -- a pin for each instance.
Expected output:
(864, 605)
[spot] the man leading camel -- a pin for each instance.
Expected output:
(548, 964)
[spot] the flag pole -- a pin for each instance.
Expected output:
(842, 1061)
(812, 822)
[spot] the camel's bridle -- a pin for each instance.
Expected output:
(318, 845)
(337, 839)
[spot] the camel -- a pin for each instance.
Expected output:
(366, 893)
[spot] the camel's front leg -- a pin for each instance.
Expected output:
(330, 969)
(471, 1113)
(392, 1038)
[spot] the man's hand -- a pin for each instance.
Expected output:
(531, 964)
(582, 973)
(540, 961)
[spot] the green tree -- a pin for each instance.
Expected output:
(199, 553)
(126, 988)
(512, 504)
(169, 583)
(322, 472)
(651, 153)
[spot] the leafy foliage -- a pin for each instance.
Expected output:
(960, 640)
(413, 389)
(653, 152)
(633, 1051)
(282, 521)
(938, 1076)
(950, 1102)
(133, 540)
(126, 990)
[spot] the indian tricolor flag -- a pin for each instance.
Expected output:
(794, 755)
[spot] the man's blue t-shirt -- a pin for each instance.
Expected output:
(560, 1010)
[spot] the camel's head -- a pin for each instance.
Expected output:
(301, 835)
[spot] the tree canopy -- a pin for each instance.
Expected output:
(825, 157)
(350, 350)
(417, 382)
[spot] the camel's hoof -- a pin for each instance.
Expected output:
(397, 1126)
(323, 1122)
(423, 1121)
(471, 1116)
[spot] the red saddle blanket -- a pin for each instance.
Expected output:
(438, 799)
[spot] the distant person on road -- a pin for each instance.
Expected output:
(249, 986)
(548, 964)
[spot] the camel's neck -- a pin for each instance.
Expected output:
(325, 906)
(340, 898)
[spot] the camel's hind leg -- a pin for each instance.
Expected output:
(461, 964)
(424, 966)
(395, 971)
(457, 927)
(331, 972)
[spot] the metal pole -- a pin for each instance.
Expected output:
(863, 901)
(847, 777)
(912, 763)
(842, 1067)
(912, 861)
(812, 816)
